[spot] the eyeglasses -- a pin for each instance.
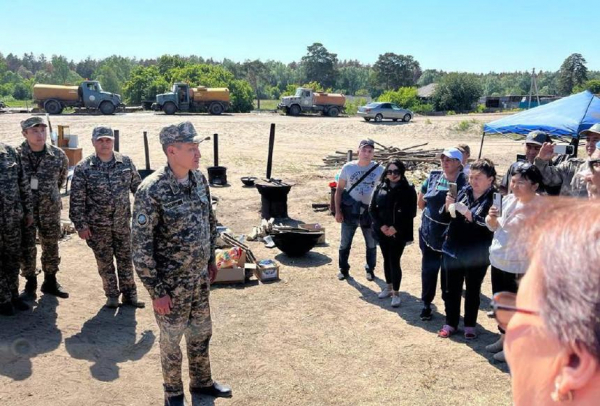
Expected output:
(503, 308)
(595, 165)
(393, 172)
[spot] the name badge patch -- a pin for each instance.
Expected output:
(34, 183)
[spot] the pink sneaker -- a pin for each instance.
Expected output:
(446, 331)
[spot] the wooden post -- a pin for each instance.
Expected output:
(116, 140)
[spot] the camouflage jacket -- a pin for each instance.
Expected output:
(51, 172)
(100, 192)
(173, 231)
(15, 195)
(567, 175)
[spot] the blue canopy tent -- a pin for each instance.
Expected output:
(561, 118)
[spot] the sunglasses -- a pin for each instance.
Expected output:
(393, 172)
(503, 308)
(595, 164)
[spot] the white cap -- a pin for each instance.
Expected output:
(453, 153)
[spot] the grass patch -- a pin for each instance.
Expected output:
(266, 104)
(466, 125)
(19, 103)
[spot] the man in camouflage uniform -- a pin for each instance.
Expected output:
(173, 235)
(101, 213)
(46, 168)
(571, 174)
(15, 209)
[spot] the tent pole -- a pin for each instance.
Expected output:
(481, 146)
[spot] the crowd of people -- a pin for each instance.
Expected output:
(538, 248)
(470, 220)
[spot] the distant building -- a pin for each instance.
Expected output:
(514, 101)
(425, 93)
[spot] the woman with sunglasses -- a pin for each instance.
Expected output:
(393, 208)
(508, 261)
(466, 248)
(552, 324)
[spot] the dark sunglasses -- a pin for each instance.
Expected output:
(393, 172)
(503, 308)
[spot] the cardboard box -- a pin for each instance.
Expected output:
(235, 274)
(75, 155)
(265, 274)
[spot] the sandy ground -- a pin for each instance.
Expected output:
(307, 339)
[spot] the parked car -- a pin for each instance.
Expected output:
(379, 111)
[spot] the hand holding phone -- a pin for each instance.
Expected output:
(498, 203)
(453, 189)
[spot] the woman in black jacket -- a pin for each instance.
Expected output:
(393, 208)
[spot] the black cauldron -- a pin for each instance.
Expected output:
(296, 243)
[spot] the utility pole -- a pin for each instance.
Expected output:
(533, 87)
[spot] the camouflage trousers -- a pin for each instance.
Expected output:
(190, 316)
(10, 252)
(49, 234)
(109, 244)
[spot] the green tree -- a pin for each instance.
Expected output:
(21, 92)
(351, 79)
(430, 76)
(320, 65)
(404, 97)
(591, 85)
(457, 91)
(60, 69)
(573, 72)
(144, 84)
(255, 73)
(393, 71)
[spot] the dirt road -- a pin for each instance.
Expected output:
(305, 340)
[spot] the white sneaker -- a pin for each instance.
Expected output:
(395, 301)
(385, 293)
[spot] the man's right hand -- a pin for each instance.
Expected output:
(546, 151)
(339, 217)
(162, 305)
(85, 234)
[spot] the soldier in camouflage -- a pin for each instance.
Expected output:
(173, 236)
(46, 168)
(101, 213)
(15, 210)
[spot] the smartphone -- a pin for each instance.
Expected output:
(453, 189)
(498, 202)
(521, 157)
(564, 149)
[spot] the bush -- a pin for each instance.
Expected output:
(21, 92)
(242, 96)
(450, 113)
(405, 97)
(424, 108)
(352, 107)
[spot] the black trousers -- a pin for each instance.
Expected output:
(504, 282)
(431, 261)
(458, 272)
(392, 249)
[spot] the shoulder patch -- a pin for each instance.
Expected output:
(142, 219)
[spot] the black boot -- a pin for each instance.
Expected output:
(178, 400)
(216, 390)
(30, 291)
(52, 287)
(7, 309)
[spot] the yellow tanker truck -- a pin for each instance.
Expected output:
(184, 98)
(305, 100)
(89, 94)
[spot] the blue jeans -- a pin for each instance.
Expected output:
(348, 231)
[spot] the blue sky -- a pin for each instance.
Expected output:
(469, 35)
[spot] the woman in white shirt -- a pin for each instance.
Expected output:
(509, 261)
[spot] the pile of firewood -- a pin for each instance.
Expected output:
(419, 162)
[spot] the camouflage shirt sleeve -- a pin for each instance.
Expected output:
(212, 220)
(145, 220)
(553, 175)
(78, 198)
(24, 189)
(135, 178)
(64, 170)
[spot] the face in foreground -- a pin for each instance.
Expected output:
(36, 137)
(366, 153)
(104, 146)
(531, 349)
(590, 143)
(480, 181)
(449, 165)
(186, 155)
(393, 173)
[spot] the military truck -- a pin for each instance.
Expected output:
(305, 100)
(89, 94)
(184, 98)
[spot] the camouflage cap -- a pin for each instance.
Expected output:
(102, 132)
(32, 122)
(182, 132)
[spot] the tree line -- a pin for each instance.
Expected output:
(392, 77)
